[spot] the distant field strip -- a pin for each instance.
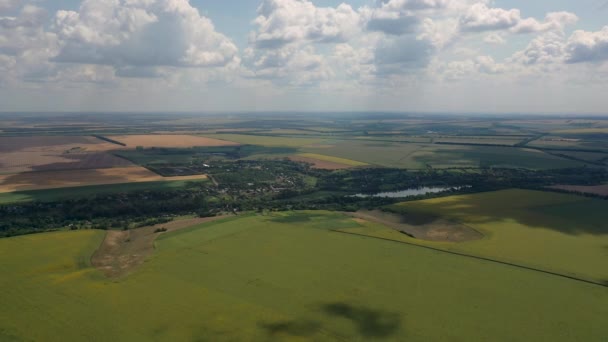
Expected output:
(76, 178)
(266, 140)
(337, 160)
(168, 141)
(49, 195)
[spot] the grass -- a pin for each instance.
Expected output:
(332, 159)
(285, 277)
(554, 232)
(50, 195)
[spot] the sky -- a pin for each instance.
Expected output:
(461, 56)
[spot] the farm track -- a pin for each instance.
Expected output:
(592, 282)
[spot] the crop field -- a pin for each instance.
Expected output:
(22, 154)
(420, 156)
(561, 233)
(587, 156)
(48, 161)
(284, 276)
(76, 178)
(168, 140)
(583, 131)
(53, 144)
(320, 164)
(267, 140)
(601, 190)
(50, 195)
(334, 160)
(481, 140)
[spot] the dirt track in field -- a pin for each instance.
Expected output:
(72, 178)
(122, 252)
(437, 229)
(321, 164)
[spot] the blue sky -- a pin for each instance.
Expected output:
(255, 55)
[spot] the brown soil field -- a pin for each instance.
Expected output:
(601, 190)
(72, 178)
(22, 154)
(168, 140)
(16, 162)
(321, 164)
(57, 144)
(433, 229)
(121, 252)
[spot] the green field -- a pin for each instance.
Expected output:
(560, 233)
(285, 277)
(50, 195)
(419, 156)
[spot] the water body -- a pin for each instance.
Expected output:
(411, 192)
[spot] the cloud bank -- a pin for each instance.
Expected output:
(294, 44)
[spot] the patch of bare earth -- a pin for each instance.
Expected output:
(601, 190)
(23, 154)
(169, 140)
(321, 164)
(122, 252)
(427, 228)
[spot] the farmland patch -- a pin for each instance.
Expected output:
(555, 232)
(601, 190)
(169, 140)
(254, 278)
(76, 178)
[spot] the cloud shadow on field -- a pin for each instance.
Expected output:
(570, 217)
(370, 323)
(303, 328)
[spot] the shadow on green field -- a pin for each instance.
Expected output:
(587, 216)
(369, 323)
(417, 219)
(293, 328)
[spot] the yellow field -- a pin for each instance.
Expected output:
(73, 178)
(168, 140)
(266, 140)
(337, 160)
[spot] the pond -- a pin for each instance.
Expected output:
(412, 192)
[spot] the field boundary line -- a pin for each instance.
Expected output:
(529, 268)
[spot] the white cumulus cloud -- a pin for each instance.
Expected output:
(281, 22)
(141, 33)
(584, 46)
